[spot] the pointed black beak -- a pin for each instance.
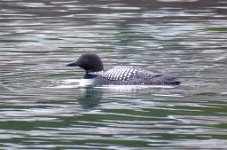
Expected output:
(72, 64)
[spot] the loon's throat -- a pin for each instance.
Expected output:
(89, 76)
(92, 75)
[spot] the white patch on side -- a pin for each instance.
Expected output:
(130, 88)
(74, 83)
(86, 82)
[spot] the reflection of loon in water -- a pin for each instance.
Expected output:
(119, 75)
(90, 97)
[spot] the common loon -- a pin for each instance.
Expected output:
(119, 75)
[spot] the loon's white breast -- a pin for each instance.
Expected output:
(86, 82)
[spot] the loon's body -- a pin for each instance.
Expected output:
(120, 75)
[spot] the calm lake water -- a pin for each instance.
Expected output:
(42, 108)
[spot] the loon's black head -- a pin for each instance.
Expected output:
(89, 62)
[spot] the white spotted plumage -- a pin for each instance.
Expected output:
(123, 73)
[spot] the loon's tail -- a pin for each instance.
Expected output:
(165, 80)
(175, 82)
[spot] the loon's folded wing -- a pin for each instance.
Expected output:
(126, 73)
(130, 75)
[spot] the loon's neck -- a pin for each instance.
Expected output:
(92, 75)
(89, 76)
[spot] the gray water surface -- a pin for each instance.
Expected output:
(41, 108)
